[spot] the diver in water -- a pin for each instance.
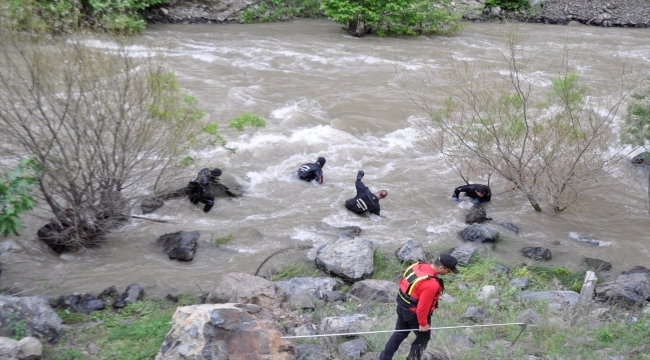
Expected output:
(477, 192)
(196, 189)
(365, 199)
(314, 171)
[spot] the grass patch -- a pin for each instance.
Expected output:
(134, 332)
(387, 267)
(301, 269)
(218, 241)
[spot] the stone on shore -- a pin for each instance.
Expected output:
(479, 233)
(246, 289)
(221, 332)
(349, 259)
(411, 252)
(382, 291)
(37, 316)
(629, 289)
(133, 293)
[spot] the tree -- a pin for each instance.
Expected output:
(636, 127)
(549, 142)
(393, 16)
(103, 124)
(14, 196)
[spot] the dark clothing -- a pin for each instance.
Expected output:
(309, 172)
(407, 319)
(470, 190)
(196, 189)
(365, 200)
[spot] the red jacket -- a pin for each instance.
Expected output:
(426, 291)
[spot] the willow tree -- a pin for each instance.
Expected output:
(104, 124)
(542, 131)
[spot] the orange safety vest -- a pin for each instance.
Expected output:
(413, 275)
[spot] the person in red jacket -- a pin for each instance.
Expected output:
(417, 298)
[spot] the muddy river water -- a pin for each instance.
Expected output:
(324, 93)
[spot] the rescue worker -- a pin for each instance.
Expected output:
(478, 192)
(365, 199)
(417, 298)
(196, 189)
(309, 172)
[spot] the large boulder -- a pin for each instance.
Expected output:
(313, 287)
(411, 252)
(179, 245)
(476, 215)
(30, 349)
(346, 324)
(352, 349)
(627, 289)
(151, 204)
(82, 303)
(563, 298)
(133, 293)
(641, 160)
(246, 289)
(350, 259)
(463, 253)
(536, 253)
(479, 233)
(33, 313)
(301, 292)
(383, 291)
(223, 332)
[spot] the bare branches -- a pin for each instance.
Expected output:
(549, 144)
(102, 122)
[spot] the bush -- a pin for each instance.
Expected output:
(508, 4)
(385, 17)
(70, 15)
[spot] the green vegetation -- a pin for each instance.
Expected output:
(14, 195)
(281, 10)
(388, 17)
(221, 240)
(247, 119)
(292, 270)
(63, 16)
(636, 128)
(508, 4)
(132, 333)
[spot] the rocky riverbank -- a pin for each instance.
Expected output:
(608, 13)
(249, 317)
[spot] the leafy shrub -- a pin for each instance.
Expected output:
(398, 17)
(508, 4)
(14, 196)
(121, 16)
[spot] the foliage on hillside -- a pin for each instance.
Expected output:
(386, 17)
(64, 16)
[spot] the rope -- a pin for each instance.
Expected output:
(385, 331)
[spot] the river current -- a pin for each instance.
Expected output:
(324, 93)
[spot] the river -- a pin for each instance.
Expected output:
(324, 93)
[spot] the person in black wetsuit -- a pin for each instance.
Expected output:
(196, 189)
(314, 171)
(365, 199)
(478, 192)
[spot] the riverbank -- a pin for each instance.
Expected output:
(483, 293)
(606, 13)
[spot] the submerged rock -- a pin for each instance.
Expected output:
(179, 245)
(536, 253)
(479, 233)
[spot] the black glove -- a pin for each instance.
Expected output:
(360, 174)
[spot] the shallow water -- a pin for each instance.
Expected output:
(324, 93)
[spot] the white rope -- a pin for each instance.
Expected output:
(385, 331)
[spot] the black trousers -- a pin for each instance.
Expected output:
(208, 200)
(406, 319)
